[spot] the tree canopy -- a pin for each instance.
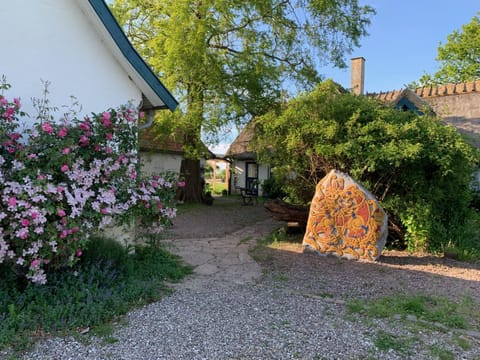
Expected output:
(229, 60)
(459, 57)
(417, 167)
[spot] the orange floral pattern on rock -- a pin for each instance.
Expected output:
(342, 221)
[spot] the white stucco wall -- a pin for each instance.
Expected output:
(53, 40)
(263, 174)
(238, 178)
(155, 163)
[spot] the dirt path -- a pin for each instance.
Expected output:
(216, 239)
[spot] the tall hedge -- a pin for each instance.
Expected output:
(417, 166)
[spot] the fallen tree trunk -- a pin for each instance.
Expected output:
(282, 211)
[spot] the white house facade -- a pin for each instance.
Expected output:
(246, 171)
(79, 48)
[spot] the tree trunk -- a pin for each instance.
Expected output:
(193, 147)
(193, 189)
(282, 211)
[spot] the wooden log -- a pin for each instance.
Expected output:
(282, 211)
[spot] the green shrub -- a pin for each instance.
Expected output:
(272, 188)
(107, 282)
(419, 168)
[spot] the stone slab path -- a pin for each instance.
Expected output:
(223, 258)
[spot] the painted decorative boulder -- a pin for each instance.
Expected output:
(345, 220)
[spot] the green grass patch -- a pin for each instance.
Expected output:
(262, 251)
(219, 188)
(463, 343)
(385, 341)
(185, 208)
(109, 281)
(441, 354)
(461, 315)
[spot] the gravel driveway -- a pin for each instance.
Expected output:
(284, 305)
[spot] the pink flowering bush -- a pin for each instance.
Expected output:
(59, 182)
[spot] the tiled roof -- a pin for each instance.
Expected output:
(433, 91)
(148, 141)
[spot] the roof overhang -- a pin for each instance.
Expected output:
(155, 94)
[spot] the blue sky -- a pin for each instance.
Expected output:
(402, 45)
(403, 41)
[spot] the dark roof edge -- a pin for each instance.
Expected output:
(105, 15)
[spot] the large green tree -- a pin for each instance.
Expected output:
(228, 60)
(459, 57)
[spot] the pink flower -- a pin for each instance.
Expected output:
(97, 147)
(22, 233)
(14, 136)
(34, 215)
(60, 189)
(25, 222)
(64, 168)
(106, 116)
(62, 132)
(65, 151)
(181, 184)
(85, 126)
(109, 136)
(17, 102)
(8, 113)
(133, 175)
(12, 201)
(84, 141)
(61, 212)
(47, 128)
(108, 150)
(35, 263)
(141, 114)
(79, 252)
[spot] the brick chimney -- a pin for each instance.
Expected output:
(357, 70)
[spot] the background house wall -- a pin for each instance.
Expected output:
(463, 106)
(239, 176)
(51, 41)
(156, 162)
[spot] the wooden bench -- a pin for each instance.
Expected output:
(249, 196)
